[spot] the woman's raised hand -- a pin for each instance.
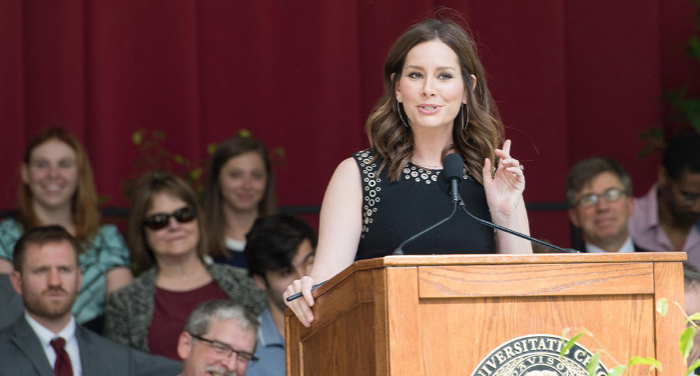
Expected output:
(504, 189)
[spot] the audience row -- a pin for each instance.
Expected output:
(666, 219)
(182, 262)
(217, 336)
(211, 280)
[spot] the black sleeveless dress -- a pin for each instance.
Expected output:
(393, 212)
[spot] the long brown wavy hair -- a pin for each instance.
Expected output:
(84, 209)
(393, 142)
(213, 198)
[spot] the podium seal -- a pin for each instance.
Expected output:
(537, 355)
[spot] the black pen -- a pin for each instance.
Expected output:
(299, 295)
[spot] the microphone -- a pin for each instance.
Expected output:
(513, 232)
(452, 171)
(456, 178)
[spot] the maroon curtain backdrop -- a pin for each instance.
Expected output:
(572, 79)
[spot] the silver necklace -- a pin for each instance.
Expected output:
(426, 166)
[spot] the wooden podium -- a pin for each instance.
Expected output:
(463, 315)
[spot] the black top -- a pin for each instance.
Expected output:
(393, 212)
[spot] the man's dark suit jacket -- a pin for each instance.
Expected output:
(11, 305)
(21, 354)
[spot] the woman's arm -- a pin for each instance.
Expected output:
(340, 223)
(339, 235)
(117, 278)
(6, 267)
(114, 257)
(504, 191)
(507, 243)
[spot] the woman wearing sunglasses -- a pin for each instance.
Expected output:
(166, 234)
(56, 188)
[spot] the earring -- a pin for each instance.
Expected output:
(398, 108)
(465, 124)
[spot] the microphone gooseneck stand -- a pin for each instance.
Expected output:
(453, 171)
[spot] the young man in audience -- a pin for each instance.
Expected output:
(599, 193)
(218, 340)
(46, 340)
(279, 249)
(666, 218)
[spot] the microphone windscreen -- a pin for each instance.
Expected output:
(452, 167)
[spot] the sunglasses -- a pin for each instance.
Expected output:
(162, 220)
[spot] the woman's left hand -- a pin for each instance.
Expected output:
(504, 189)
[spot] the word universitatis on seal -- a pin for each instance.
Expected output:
(537, 355)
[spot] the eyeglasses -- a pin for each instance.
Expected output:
(610, 195)
(226, 350)
(161, 220)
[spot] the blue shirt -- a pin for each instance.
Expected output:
(270, 349)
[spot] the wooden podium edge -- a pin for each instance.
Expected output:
(494, 259)
(669, 328)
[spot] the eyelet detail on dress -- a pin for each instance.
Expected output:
(420, 174)
(371, 180)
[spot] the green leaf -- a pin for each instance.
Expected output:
(693, 367)
(103, 199)
(651, 362)
(593, 364)
(245, 133)
(686, 342)
(137, 138)
(656, 133)
(569, 344)
(195, 174)
(662, 306)
(280, 151)
(694, 317)
(180, 159)
(211, 148)
(694, 47)
(617, 371)
(646, 151)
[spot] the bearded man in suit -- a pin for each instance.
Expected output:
(46, 341)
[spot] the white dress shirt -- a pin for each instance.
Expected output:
(628, 246)
(67, 333)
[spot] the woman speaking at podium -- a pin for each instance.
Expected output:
(435, 102)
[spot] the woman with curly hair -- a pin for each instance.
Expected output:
(436, 102)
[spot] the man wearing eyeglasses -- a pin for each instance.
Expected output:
(599, 191)
(666, 219)
(218, 340)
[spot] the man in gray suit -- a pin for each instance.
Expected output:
(46, 341)
(11, 307)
